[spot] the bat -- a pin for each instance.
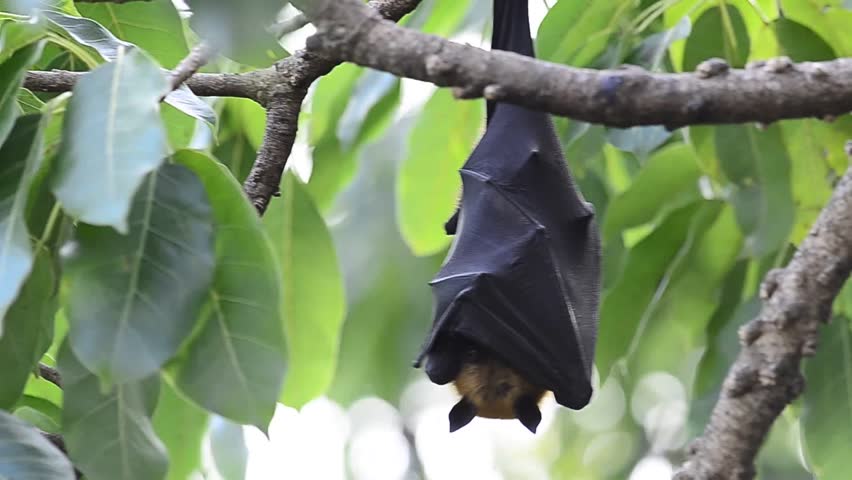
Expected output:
(517, 298)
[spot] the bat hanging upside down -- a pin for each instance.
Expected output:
(516, 301)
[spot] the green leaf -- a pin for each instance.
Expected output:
(47, 413)
(723, 346)
(809, 143)
(653, 50)
(92, 34)
(314, 301)
(759, 166)
(29, 330)
(718, 32)
(25, 454)
(827, 415)
(133, 299)
(370, 90)
(154, 26)
(240, 30)
(668, 179)
(329, 101)
(445, 16)
(109, 433)
(112, 127)
(333, 168)
(21, 157)
(234, 366)
(12, 73)
(640, 141)
(800, 43)
(181, 427)
(592, 23)
(249, 117)
(830, 23)
(16, 35)
(626, 308)
(429, 184)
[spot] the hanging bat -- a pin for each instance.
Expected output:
(516, 300)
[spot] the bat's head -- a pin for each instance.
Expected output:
(491, 389)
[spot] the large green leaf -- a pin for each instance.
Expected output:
(113, 137)
(29, 329)
(444, 17)
(20, 159)
(592, 23)
(759, 166)
(690, 290)
(801, 43)
(314, 302)
(810, 143)
(827, 416)
(181, 426)
(829, 22)
(329, 100)
(718, 32)
(240, 29)
(15, 35)
(627, 307)
(94, 35)
(12, 73)
(668, 179)
(235, 364)
(109, 433)
(134, 298)
(26, 455)
(154, 26)
(428, 185)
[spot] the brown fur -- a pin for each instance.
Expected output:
(494, 388)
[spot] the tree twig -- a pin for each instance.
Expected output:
(766, 376)
(197, 58)
(50, 374)
(764, 92)
(296, 74)
(291, 24)
(242, 85)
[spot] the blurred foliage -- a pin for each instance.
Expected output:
(176, 315)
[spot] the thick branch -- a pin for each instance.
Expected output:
(296, 74)
(765, 92)
(246, 85)
(766, 376)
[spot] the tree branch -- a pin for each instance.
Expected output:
(764, 92)
(50, 374)
(296, 74)
(197, 58)
(766, 375)
(243, 85)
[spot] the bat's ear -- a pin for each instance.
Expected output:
(461, 414)
(528, 413)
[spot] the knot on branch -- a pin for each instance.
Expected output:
(712, 67)
(778, 65)
(467, 92)
(437, 66)
(750, 332)
(741, 381)
(494, 92)
(770, 283)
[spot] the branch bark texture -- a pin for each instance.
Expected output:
(246, 85)
(765, 92)
(766, 376)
